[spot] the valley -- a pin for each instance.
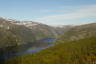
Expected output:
(30, 42)
(47, 31)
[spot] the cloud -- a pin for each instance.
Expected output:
(78, 13)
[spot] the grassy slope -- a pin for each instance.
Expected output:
(75, 52)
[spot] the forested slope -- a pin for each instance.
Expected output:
(75, 52)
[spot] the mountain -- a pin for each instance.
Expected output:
(13, 32)
(79, 32)
(82, 51)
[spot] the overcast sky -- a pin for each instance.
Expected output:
(51, 12)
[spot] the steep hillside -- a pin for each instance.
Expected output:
(76, 52)
(79, 32)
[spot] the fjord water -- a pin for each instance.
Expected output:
(12, 51)
(39, 45)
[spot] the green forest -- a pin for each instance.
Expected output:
(75, 52)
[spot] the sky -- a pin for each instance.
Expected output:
(51, 12)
